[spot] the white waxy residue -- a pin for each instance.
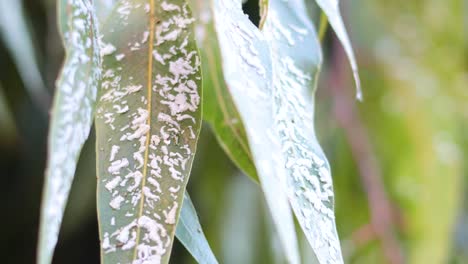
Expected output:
(156, 119)
(72, 117)
(107, 49)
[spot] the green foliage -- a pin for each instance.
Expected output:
(72, 115)
(147, 125)
(189, 232)
(148, 120)
(397, 157)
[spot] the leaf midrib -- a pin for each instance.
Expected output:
(149, 81)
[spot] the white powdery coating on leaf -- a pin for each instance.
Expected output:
(71, 117)
(149, 131)
(107, 49)
(247, 72)
(309, 181)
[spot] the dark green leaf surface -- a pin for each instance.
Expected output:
(147, 127)
(72, 115)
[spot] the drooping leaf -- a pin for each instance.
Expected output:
(332, 10)
(190, 234)
(147, 125)
(72, 115)
(188, 229)
(219, 109)
(246, 65)
(296, 60)
(17, 38)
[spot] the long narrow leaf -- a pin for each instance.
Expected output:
(296, 58)
(246, 65)
(72, 115)
(219, 109)
(190, 234)
(13, 29)
(147, 127)
(188, 229)
(332, 10)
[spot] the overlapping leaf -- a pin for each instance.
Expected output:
(147, 127)
(190, 234)
(72, 115)
(277, 109)
(296, 59)
(218, 108)
(13, 29)
(332, 10)
(246, 65)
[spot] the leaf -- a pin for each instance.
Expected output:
(242, 221)
(72, 115)
(247, 72)
(147, 126)
(17, 38)
(219, 109)
(103, 9)
(332, 10)
(296, 60)
(190, 234)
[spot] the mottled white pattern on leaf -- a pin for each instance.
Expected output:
(147, 126)
(296, 59)
(246, 62)
(272, 76)
(72, 115)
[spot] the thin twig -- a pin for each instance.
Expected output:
(382, 217)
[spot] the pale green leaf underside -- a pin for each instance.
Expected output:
(72, 115)
(296, 59)
(246, 64)
(332, 10)
(147, 125)
(190, 234)
(218, 108)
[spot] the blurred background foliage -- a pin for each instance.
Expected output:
(398, 158)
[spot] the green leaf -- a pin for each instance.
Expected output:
(296, 60)
(242, 221)
(190, 234)
(17, 38)
(218, 108)
(246, 65)
(147, 126)
(332, 10)
(72, 115)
